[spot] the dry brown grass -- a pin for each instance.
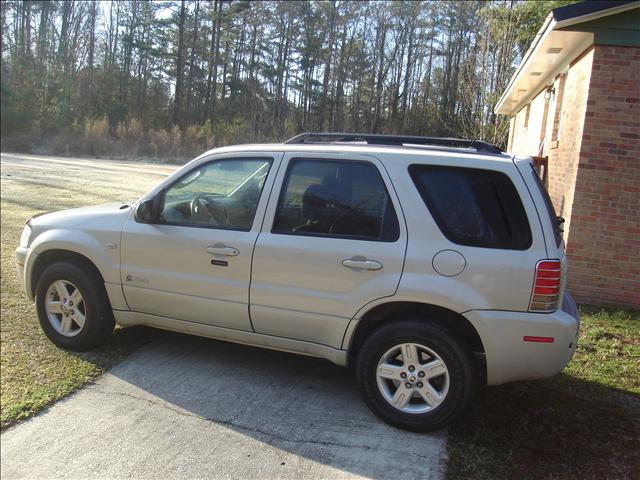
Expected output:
(34, 372)
(96, 134)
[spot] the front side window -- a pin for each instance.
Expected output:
(222, 194)
(474, 207)
(332, 198)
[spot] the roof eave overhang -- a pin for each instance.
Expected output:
(550, 53)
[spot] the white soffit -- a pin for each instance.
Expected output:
(556, 50)
(550, 53)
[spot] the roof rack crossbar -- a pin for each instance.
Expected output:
(399, 140)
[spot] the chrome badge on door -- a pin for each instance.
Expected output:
(136, 278)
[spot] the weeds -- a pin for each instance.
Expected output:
(129, 139)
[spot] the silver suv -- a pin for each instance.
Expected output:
(429, 265)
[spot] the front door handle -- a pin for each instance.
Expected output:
(361, 263)
(222, 249)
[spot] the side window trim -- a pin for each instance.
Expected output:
(549, 208)
(285, 182)
(163, 191)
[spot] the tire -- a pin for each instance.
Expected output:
(448, 391)
(93, 306)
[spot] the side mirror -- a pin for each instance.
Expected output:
(148, 211)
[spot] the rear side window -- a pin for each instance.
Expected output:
(474, 207)
(557, 232)
(340, 199)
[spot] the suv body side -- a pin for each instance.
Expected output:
(492, 292)
(494, 289)
(493, 278)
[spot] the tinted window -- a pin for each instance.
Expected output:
(557, 232)
(222, 194)
(474, 207)
(336, 199)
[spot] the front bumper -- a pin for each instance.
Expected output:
(509, 358)
(22, 257)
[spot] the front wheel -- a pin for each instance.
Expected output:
(415, 375)
(73, 307)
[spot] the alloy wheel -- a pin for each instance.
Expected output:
(412, 378)
(65, 308)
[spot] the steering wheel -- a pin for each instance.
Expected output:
(205, 208)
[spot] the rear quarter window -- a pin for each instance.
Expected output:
(474, 207)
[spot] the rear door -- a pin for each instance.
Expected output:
(333, 240)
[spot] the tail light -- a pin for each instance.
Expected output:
(545, 296)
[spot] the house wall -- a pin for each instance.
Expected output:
(565, 135)
(528, 138)
(592, 140)
(562, 135)
(604, 239)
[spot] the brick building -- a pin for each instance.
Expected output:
(574, 101)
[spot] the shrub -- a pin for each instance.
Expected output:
(131, 137)
(231, 132)
(96, 135)
(198, 138)
(192, 139)
(166, 143)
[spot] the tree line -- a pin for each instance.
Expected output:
(171, 77)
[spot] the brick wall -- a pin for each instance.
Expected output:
(604, 238)
(565, 136)
(592, 139)
(562, 135)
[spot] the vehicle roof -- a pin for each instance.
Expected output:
(376, 150)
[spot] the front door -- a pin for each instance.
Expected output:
(194, 263)
(333, 240)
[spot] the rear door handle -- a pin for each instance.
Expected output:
(361, 263)
(222, 249)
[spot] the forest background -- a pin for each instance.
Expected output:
(170, 79)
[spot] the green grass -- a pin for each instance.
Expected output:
(33, 372)
(583, 423)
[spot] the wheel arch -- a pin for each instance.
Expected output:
(48, 257)
(398, 309)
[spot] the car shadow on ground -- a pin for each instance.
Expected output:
(311, 408)
(302, 405)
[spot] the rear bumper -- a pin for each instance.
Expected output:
(509, 358)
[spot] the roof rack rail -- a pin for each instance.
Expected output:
(399, 140)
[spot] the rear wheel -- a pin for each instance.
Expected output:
(415, 375)
(73, 308)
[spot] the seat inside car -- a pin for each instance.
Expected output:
(314, 206)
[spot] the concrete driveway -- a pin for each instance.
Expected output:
(187, 407)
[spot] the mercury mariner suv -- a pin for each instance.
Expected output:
(429, 265)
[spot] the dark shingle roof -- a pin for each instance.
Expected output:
(585, 8)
